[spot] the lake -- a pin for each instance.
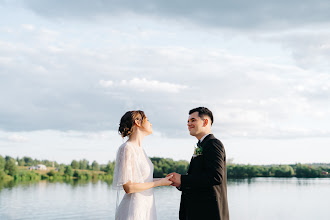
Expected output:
(254, 199)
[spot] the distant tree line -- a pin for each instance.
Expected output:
(16, 169)
(28, 161)
(235, 171)
(164, 166)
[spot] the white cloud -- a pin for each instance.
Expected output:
(316, 88)
(269, 83)
(17, 138)
(106, 83)
(100, 135)
(308, 45)
(29, 27)
(144, 85)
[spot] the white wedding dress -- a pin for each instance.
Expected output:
(132, 164)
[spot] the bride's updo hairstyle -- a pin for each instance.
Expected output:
(128, 121)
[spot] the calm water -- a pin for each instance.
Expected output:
(255, 199)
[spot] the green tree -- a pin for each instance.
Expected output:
(265, 172)
(10, 167)
(110, 167)
(47, 163)
(2, 175)
(83, 164)
(7, 158)
(2, 163)
(21, 162)
(251, 171)
(61, 168)
(158, 172)
(68, 171)
(236, 171)
(307, 171)
(51, 173)
(76, 174)
(182, 167)
(75, 164)
(284, 171)
(28, 161)
(95, 166)
(164, 166)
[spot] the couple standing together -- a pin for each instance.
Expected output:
(204, 187)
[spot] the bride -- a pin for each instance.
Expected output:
(134, 170)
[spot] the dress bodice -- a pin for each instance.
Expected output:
(133, 164)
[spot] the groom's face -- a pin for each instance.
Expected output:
(195, 124)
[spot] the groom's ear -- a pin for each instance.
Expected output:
(206, 122)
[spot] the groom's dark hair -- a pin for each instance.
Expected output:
(202, 111)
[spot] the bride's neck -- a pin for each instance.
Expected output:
(136, 138)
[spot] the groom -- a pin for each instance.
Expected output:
(204, 188)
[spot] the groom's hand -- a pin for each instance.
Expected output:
(176, 179)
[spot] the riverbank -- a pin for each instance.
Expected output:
(26, 169)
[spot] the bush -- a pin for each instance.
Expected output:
(51, 173)
(284, 171)
(109, 168)
(2, 174)
(307, 171)
(44, 177)
(68, 171)
(10, 167)
(76, 174)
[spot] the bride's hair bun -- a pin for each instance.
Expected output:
(128, 120)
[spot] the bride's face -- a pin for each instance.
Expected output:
(147, 126)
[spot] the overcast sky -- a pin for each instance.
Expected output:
(70, 69)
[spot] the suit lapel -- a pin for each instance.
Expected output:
(203, 143)
(208, 137)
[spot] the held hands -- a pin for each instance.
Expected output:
(175, 178)
(165, 181)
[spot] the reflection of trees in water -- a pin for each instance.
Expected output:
(9, 184)
(240, 181)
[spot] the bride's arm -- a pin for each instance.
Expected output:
(139, 187)
(156, 179)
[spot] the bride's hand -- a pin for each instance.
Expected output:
(166, 181)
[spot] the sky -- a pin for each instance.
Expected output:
(70, 69)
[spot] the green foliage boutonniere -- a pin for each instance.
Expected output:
(198, 150)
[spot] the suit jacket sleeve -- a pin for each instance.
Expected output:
(214, 163)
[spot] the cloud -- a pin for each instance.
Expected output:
(309, 46)
(238, 14)
(17, 138)
(316, 89)
(105, 83)
(144, 85)
(61, 89)
(83, 76)
(28, 27)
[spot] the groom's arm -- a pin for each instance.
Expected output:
(214, 161)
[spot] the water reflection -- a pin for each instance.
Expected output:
(255, 199)
(240, 181)
(72, 182)
(230, 182)
(277, 180)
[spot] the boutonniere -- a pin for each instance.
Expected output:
(198, 150)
